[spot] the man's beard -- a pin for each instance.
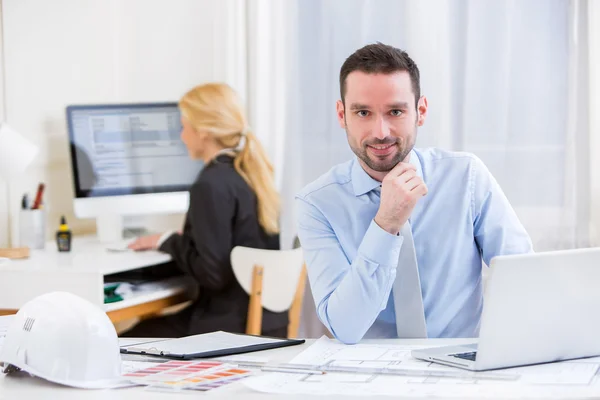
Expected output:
(404, 148)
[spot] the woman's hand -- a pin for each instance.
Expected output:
(145, 242)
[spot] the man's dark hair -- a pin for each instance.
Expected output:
(380, 58)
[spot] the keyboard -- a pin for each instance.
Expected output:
(471, 356)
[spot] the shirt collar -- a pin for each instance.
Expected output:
(224, 157)
(363, 183)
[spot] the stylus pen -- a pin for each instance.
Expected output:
(293, 370)
(383, 371)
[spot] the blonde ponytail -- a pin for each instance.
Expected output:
(215, 108)
(254, 166)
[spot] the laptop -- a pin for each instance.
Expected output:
(538, 308)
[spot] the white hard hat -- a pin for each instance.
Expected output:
(65, 339)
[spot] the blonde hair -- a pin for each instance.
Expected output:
(216, 109)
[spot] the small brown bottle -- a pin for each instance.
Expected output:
(63, 236)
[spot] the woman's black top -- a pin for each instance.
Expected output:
(222, 214)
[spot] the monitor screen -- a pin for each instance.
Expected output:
(128, 149)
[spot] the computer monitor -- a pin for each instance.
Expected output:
(127, 160)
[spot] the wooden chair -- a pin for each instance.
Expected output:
(274, 280)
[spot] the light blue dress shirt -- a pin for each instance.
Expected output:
(352, 262)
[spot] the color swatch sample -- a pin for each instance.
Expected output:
(197, 375)
(216, 384)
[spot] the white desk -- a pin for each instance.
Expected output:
(82, 272)
(25, 387)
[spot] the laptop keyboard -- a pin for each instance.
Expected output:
(471, 356)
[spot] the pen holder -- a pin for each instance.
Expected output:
(32, 228)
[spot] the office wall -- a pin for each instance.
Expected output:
(63, 52)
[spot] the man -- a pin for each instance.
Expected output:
(394, 239)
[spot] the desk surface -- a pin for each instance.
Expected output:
(88, 256)
(25, 387)
(80, 272)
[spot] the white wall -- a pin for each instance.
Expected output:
(63, 52)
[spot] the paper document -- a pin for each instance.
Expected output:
(244, 359)
(5, 322)
(211, 342)
(572, 379)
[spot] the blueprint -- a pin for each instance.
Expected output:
(573, 379)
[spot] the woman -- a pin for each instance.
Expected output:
(232, 203)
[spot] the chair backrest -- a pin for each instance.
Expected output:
(282, 270)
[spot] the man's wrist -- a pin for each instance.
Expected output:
(386, 227)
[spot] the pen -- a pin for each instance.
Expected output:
(293, 370)
(24, 202)
(381, 371)
(423, 373)
(38, 197)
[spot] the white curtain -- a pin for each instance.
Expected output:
(594, 98)
(272, 52)
(505, 80)
(4, 202)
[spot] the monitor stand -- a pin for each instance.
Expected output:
(112, 228)
(134, 226)
(109, 228)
